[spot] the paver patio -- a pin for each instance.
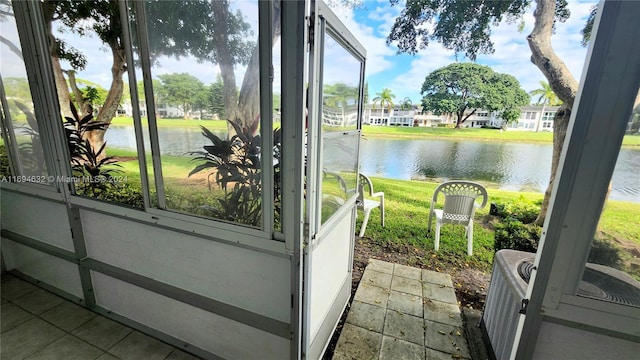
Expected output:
(401, 312)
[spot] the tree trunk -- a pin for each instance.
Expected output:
(559, 78)
(62, 89)
(223, 56)
(83, 106)
(245, 107)
(114, 96)
(560, 125)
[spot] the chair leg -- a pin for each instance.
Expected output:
(382, 211)
(470, 238)
(364, 222)
(436, 243)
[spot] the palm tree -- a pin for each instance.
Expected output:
(384, 98)
(545, 94)
(406, 104)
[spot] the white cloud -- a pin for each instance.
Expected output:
(409, 83)
(512, 53)
(377, 50)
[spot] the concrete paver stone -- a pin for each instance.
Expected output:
(358, 343)
(404, 327)
(381, 266)
(445, 338)
(405, 285)
(407, 271)
(405, 303)
(372, 295)
(396, 349)
(437, 278)
(366, 316)
(376, 278)
(442, 312)
(439, 293)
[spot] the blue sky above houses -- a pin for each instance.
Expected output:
(404, 74)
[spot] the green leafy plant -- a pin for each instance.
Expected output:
(235, 166)
(511, 233)
(5, 170)
(88, 164)
(522, 209)
(606, 253)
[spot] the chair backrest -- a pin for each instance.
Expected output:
(365, 182)
(460, 199)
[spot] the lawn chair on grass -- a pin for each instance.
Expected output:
(459, 207)
(368, 204)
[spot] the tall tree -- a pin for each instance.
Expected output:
(465, 26)
(545, 95)
(216, 98)
(384, 98)
(182, 90)
(464, 88)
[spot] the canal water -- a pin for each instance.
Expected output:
(510, 166)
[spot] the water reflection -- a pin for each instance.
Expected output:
(511, 166)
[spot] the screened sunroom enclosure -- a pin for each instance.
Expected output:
(240, 247)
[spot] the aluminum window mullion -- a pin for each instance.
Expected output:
(143, 41)
(316, 129)
(29, 21)
(265, 48)
(135, 103)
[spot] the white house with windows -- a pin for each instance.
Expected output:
(402, 117)
(532, 118)
(376, 117)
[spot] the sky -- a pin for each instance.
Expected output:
(370, 23)
(404, 74)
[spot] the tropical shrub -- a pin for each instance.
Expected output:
(511, 233)
(606, 253)
(521, 209)
(122, 193)
(513, 230)
(88, 164)
(235, 166)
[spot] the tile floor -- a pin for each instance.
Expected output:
(36, 324)
(400, 312)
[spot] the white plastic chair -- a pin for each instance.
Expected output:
(459, 207)
(368, 204)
